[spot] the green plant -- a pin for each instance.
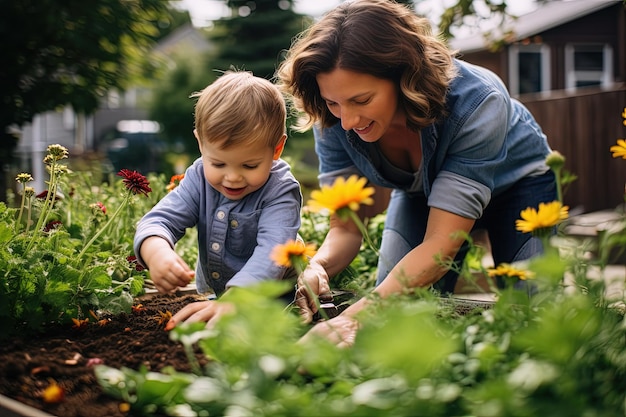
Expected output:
(559, 352)
(62, 253)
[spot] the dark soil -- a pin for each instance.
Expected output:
(28, 365)
(63, 354)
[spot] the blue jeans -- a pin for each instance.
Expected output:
(407, 215)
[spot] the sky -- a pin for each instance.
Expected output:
(204, 11)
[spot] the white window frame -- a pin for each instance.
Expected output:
(514, 53)
(605, 76)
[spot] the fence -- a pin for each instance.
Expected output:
(583, 127)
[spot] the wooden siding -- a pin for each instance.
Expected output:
(583, 127)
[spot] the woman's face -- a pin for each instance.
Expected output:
(364, 103)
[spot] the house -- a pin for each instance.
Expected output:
(566, 61)
(81, 133)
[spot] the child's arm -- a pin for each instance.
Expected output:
(168, 271)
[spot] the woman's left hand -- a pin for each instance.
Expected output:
(340, 330)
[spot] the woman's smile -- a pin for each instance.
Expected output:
(364, 103)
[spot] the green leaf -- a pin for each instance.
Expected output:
(424, 344)
(6, 232)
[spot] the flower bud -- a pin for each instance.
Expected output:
(555, 160)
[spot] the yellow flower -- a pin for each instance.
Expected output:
(548, 215)
(619, 150)
(506, 270)
(23, 178)
(283, 255)
(350, 193)
(624, 116)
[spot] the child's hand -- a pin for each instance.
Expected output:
(209, 311)
(168, 271)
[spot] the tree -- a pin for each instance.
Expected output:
(171, 104)
(256, 35)
(68, 52)
(252, 39)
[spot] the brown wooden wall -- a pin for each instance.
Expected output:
(583, 127)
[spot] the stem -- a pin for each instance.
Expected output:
(363, 230)
(19, 216)
(28, 213)
(191, 358)
(559, 192)
(106, 225)
(47, 206)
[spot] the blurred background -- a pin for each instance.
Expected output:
(111, 79)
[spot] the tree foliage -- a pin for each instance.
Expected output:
(70, 52)
(256, 34)
(171, 104)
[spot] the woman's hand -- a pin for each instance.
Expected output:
(340, 330)
(208, 311)
(313, 287)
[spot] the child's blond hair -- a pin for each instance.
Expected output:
(239, 108)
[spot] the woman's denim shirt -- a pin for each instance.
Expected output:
(486, 143)
(235, 237)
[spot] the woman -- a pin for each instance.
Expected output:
(389, 101)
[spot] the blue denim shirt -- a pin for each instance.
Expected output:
(235, 237)
(486, 143)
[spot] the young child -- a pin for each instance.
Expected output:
(240, 195)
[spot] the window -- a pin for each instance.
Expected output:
(529, 70)
(588, 65)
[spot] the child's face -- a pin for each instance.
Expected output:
(237, 171)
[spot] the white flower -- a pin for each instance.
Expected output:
(531, 374)
(272, 365)
(203, 390)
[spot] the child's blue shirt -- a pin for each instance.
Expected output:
(235, 237)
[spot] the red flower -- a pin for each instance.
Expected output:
(135, 182)
(98, 209)
(132, 260)
(42, 196)
(53, 225)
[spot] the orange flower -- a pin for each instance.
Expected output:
(138, 309)
(164, 317)
(174, 181)
(284, 255)
(350, 193)
(53, 393)
(80, 324)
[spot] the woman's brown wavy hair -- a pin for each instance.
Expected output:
(376, 37)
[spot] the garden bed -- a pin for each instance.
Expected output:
(29, 364)
(63, 354)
